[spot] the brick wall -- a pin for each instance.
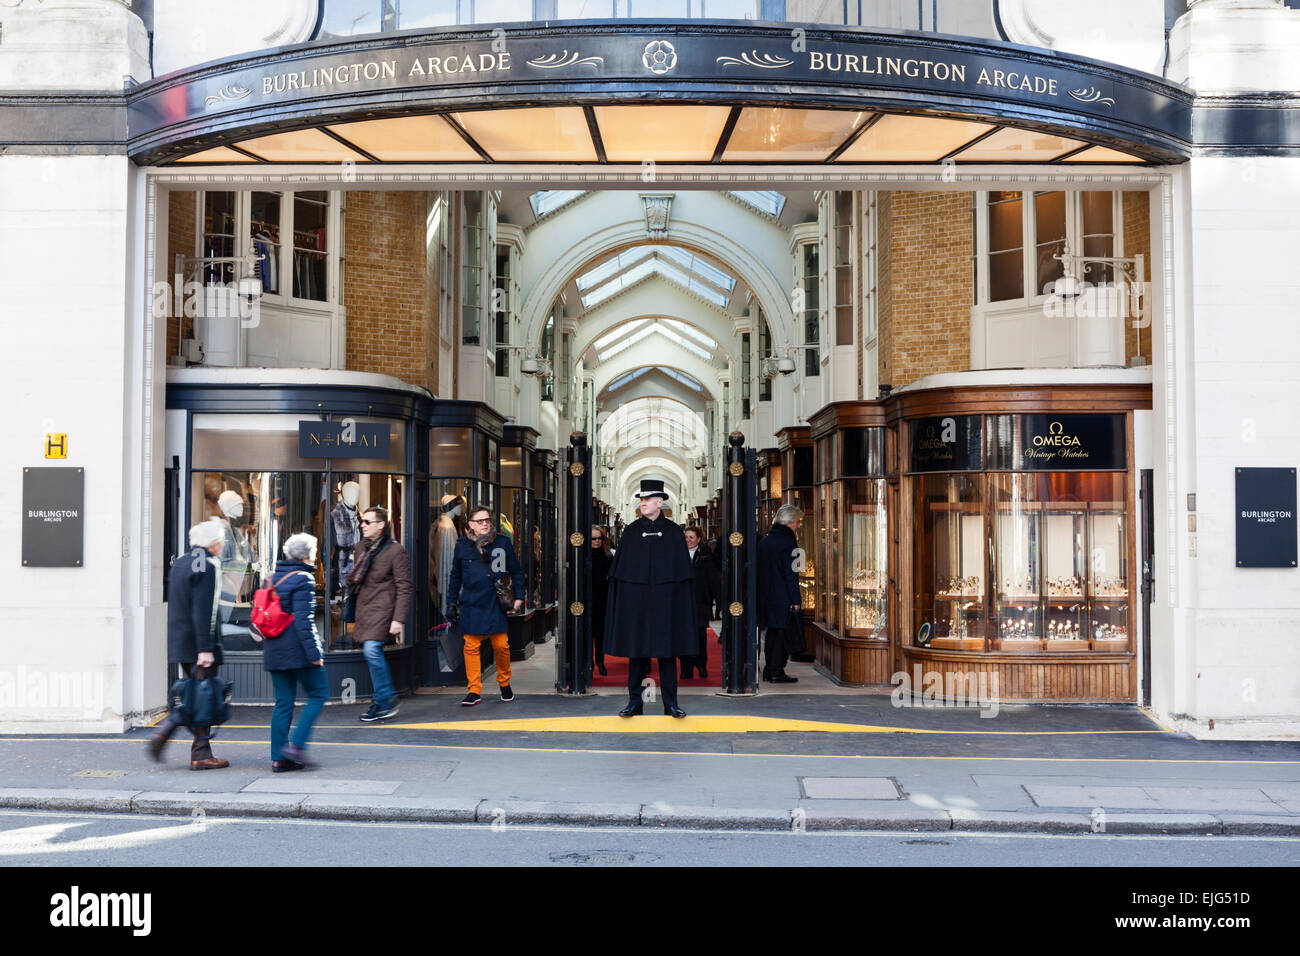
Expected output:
(1137, 239)
(180, 240)
(926, 280)
(385, 287)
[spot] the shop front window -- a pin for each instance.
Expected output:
(949, 560)
(248, 475)
(1060, 567)
(865, 557)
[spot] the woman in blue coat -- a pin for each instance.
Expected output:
(482, 556)
(296, 656)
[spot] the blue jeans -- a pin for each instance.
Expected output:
(316, 684)
(385, 696)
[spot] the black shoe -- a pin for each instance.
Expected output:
(672, 710)
(470, 700)
(704, 675)
(295, 755)
(384, 713)
(633, 709)
(784, 678)
(369, 715)
(284, 766)
(686, 675)
(507, 694)
(600, 666)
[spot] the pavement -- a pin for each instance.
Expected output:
(802, 759)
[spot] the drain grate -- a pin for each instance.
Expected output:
(603, 858)
(925, 843)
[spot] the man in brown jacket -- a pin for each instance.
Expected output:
(381, 581)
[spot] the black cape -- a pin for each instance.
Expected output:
(650, 607)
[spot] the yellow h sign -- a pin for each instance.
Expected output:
(56, 446)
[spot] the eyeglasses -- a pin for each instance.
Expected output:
(371, 521)
(596, 537)
(480, 520)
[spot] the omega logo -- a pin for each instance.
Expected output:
(1056, 436)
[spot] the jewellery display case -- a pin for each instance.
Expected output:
(951, 555)
(865, 558)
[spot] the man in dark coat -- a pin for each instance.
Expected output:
(193, 639)
(778, 592)
(708, 592)
(650, 607)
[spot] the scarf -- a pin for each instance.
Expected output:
(362, 565)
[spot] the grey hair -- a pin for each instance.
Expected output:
(207, 533)
(301, 547)
(786, 514)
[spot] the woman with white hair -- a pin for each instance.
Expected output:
(193, 635)
(296, 656)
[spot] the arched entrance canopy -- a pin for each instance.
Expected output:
(721, 92)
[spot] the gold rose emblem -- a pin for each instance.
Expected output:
(576, 469)
(736, 609)
(736, 468)
(735, 539)
(576, 609)
(575, 539)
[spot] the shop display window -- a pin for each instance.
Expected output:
(1060, 569)
(246, 473)
(865, 558)
(949, 542)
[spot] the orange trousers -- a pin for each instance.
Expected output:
(474, 669)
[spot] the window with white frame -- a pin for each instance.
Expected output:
(472, 254)
(871, 314)
(1024, 232)
(295, 238)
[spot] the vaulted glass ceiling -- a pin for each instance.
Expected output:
(629, 377)
(660, 133)
(659, 327)
(629, 267)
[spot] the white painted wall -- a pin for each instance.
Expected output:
(64, 223)
(1238, 628)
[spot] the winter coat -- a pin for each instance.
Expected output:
(708, 586)
(470, 584)
(778, 585)
(650, 608)
(192, 589)
(298, 645)
(385, 594)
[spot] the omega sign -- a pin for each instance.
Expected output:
(1070, 443)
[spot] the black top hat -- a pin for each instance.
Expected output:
(651, 487)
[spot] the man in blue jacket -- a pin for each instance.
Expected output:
(778, 591)
(480, 558)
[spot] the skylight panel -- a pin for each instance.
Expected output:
(764, 200)
(548, 199)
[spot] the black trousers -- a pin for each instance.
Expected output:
(700, 661)
(201, 748)
(774, 653)
(638, 669)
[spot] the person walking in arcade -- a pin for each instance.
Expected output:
(650, 607)
(482, 556)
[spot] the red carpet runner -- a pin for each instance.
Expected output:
(617, 667)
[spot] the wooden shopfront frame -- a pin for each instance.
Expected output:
(1063, 675)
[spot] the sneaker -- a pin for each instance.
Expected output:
(470, 700)
(385, 712)
(371, 714)
(507, 694)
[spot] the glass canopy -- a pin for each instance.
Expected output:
(663, 134)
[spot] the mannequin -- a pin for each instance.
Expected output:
(347, 532)
(235, 558)
(442, 545)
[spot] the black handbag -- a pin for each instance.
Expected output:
(502, 586)
(793, 634)
(201, 702)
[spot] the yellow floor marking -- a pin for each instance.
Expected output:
(655, 724)
(1155, 720)
(136, 742)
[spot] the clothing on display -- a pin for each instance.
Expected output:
(347, 532)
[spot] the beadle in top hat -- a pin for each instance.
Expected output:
(651, 486)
